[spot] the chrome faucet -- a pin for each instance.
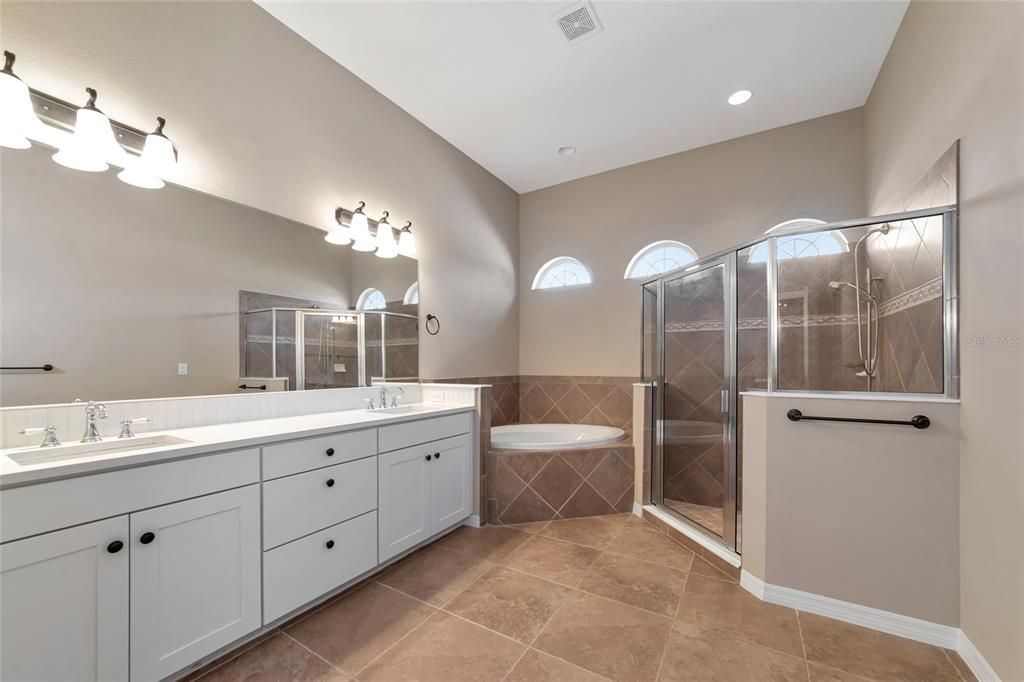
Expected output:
(395, 399)
(93, 411)
(126, 426)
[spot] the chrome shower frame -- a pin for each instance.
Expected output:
(729, 258)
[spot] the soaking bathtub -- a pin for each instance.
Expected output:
(553, 436)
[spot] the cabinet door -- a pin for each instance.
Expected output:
(64, 604)
(451, 482)
(195, 579)
(403, 509)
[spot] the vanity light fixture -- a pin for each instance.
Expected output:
(339, 234)
(159, 160)
(92, 145)
(17, 119)
(407, 241)
(387, 247)
(359, 231)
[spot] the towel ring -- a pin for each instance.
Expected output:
(437, 325)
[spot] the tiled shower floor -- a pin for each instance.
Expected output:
(589, 599)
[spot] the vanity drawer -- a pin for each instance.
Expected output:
(285, 459)
(303, 503)
(423, 431)
(301, 571)
(43, 507)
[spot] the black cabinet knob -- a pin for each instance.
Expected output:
(330, 452)
(437, 455)
(330, 482)
(427, 458)
(147, 538)
(329, 544)
(115, 546)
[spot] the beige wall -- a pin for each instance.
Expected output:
(709, 198)
(956, 70)
(264, 119)
(857, 512)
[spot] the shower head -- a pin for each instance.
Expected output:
(835, 285)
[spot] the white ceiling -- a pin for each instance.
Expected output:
(498, 81)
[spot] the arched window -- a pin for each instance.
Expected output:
(561, 272)
(412, 294)
(659, 257)
(805, 245)
(371, 299)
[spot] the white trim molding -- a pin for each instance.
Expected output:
(945, 636)
(473, 521)
(638, 509)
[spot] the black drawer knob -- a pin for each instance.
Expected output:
(329, 544)
(330, 452)
(437, 455)
(115, 546)
(147, 538)
(330, 482)
(428, 458)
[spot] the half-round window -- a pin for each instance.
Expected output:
(412, 294)
(561, 272)
(803, 245)
(371, 299)
(659, 257)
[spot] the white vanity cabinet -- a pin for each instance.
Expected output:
(64, 604)
(195, 579)
(424, 489)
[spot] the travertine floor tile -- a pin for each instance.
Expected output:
(512, 603)
(536, 666)
(563, 562)
(354, 630)
(434, 575)
(446, 649)
(733, 611)
(649, 544)
(704, 655)
(637, 583)
(277, 658)
(490, 542)
(611, 639)
(872, 654)
(593, 531)
(823, 673)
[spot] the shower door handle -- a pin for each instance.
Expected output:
(725, 402)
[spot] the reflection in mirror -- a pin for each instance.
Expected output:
(158, 297)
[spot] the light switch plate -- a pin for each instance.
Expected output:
(183, 369)
(339, 367)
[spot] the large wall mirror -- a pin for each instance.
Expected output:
(132, 293)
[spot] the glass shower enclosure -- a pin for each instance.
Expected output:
(860, 308)
(319, 348)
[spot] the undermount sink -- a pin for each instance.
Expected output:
(82, 450)
(402, 409)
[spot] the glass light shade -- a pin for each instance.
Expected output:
(407, 244)
(156, 163)
(366, 245)
(338, 235)
(359, 230)
(18, 121)
(387, 247)
(92, 145)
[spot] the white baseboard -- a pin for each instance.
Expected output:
(638, 509)
(945, 636)
(974, 660)
(473, 521)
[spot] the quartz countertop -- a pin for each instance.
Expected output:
(203, 440)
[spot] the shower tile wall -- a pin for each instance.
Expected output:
(402, 349)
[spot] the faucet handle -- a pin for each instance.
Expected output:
(49, 440)
(127, 424)
(369, 403)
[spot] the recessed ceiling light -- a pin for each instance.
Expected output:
(566, 150)
(740, 97)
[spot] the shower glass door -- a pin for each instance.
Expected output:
(695, 450)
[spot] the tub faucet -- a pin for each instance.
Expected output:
(93, 411)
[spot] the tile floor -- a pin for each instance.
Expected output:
(579, 600)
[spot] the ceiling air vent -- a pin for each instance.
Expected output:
(577, 22)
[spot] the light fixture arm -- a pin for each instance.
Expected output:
(91, 102)
(9, 63)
